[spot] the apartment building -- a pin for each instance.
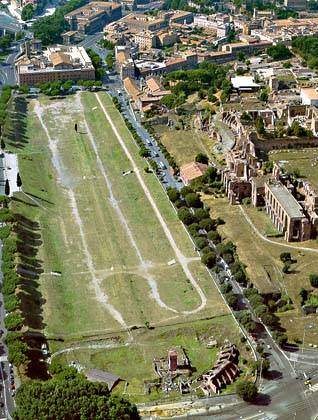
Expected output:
(59, 62)
(93, 17)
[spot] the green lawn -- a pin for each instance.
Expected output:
(134, 362)
(184, 145)
(98, 228)
(306, 161)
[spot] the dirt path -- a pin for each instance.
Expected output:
(144, 267)
(95, 282)
(258, 233)
(180, 257)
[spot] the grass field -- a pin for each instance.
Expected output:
(133, 362)
(306, 161)
(264, 267)
(100, 229)
(184, 145)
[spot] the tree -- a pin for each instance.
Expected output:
(193, 200)
(313, 278)
(263, 96)
(246, 390)
(209, 259)
(202, 158)
(260, 126)
(269, 319)
(173, 194)
(70, 396)
(279, 52)
(200, 242)
(260, 310)
(207, 224)
(19, 181)
(214, 236)
(231, 299)
(186, 216)
(13, 321)
(109, 60)
(280, 338)
(27, 12)
(7, 188)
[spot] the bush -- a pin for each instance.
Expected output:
(209, 259)
(313, 278)
(228, 258)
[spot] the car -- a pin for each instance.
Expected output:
(268, 346)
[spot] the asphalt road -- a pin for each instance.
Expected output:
(9, 23)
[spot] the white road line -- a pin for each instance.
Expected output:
(181, 258)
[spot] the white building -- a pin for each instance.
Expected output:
(309, 96)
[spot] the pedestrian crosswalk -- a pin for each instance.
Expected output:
(313, 388)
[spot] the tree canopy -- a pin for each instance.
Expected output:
(70, 396)
(279, 52)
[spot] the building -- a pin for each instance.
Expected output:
(296, 4)
(96, 375)
(191, 171)
(172, 360)
(244, 83)
(285, 212)
(93, 17)
(309, 96)
(59, 62)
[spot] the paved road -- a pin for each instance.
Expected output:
(9, 22)
(167, 179)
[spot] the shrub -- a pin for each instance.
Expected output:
(228, 258)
